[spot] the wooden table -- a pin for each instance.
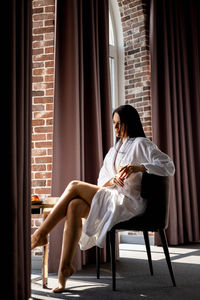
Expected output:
(45, 209)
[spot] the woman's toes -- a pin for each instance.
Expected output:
(63, 275)
(58, 290)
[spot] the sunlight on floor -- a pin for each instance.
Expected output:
(177, 254)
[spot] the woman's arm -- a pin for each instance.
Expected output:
(124, 172)
(154, 160)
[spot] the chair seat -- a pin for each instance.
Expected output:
(141, 223)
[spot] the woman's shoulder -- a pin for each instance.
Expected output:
(143, 142)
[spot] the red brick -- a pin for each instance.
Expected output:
(49, 64)
(44, 145)
(50, 9)
(36, 183)
(43, 86)
(49, 50)
(37, 37)
(36, 65)
(39, 71)
(42, 44)
(43, 30)
(43, 100)
(49, 22)
(38, 107)
(42, 17)
(44, 129)
(38, 137)
(42, 175)
(37, 24)
(49, 78)
(37, 79)
(37, 122)
(49, 36)
(49, 167)
(39, 152)
(37, 10)
(45, 160)
(43, 115)
(50, 71)
(39, 3)
(49, 107)
(43, 57)
(49, 182)
(50, 151)
(50, 136)
(50, 92)
(39, 168)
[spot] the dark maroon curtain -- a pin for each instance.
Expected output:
(175, 54)
(18, 125)
(82, 117)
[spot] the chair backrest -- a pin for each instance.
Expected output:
(155, 189)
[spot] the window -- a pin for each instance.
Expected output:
(113, 63)
(116, 53)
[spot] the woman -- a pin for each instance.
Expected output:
(116, 197)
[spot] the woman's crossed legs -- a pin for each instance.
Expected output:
(74, 204)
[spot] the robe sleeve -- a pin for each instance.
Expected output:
(105, 173)
(155, 161)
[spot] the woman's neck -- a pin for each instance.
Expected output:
(124, 138)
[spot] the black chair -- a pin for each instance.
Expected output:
(155, 219)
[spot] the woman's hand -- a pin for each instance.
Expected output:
(127, 170)
(118, 180)
(123, 173)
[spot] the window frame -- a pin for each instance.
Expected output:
(116, 53)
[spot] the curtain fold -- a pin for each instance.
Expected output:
(18, 124)
(175, 64)
(82, 116)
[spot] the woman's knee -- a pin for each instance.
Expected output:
(77, 208)
(73, 187)
(74, 184)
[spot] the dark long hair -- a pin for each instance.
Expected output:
(131, 119)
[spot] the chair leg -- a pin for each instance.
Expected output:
(113, 261)
(166, 251)
(98, 262)
(146, 238)
(108, 248)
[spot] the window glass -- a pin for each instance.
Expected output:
(111, 32)
(112, 80)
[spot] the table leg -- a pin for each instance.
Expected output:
(45, 256)
(45, 266)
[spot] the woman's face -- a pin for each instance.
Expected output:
(119, 129)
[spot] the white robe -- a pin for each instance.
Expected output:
(112, 205)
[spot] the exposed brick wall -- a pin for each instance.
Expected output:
(134, 19)
(43, 83)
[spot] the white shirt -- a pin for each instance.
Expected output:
(112, 205)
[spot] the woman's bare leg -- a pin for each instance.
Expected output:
(77, 209)
(76, 189)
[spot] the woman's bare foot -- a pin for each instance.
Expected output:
(38, 240)
(63, 275)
